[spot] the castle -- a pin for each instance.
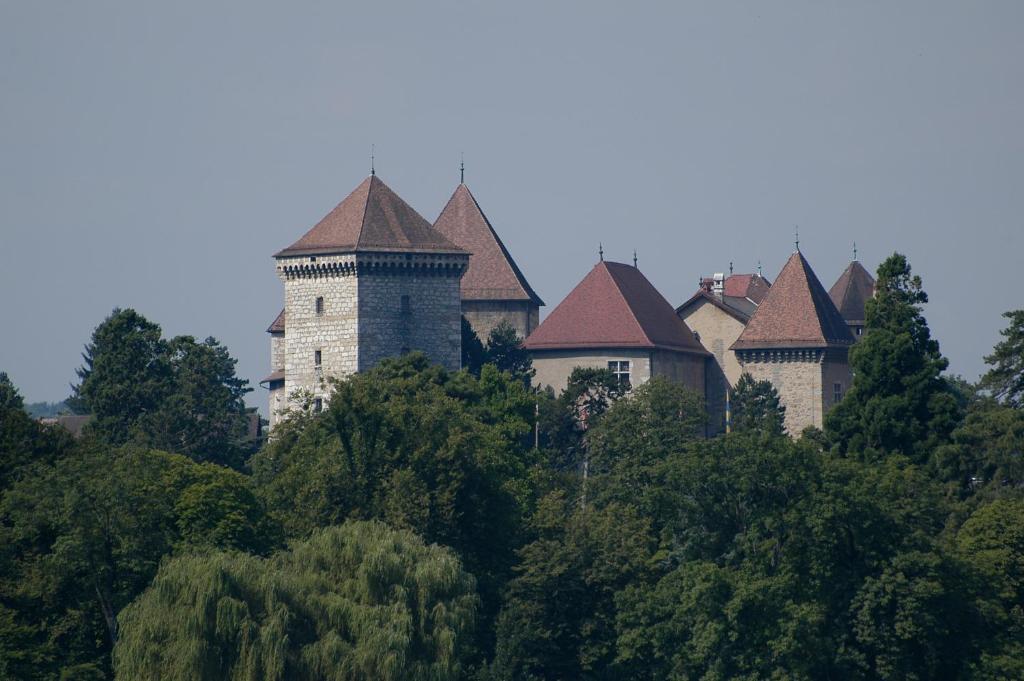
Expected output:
(373, 279)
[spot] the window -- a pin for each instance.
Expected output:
(318, 405)
(318, 357)
(860, 330)
(837, 392)
(621, 370)
(319, 305)
(406, 306)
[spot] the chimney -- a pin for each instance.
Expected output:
(718, 288)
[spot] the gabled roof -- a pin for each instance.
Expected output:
(615, 306)
(752, 286)
(738, 308)
(796, 313)
(851, 291)
(492, 273)
(371, 218)
(277, 326)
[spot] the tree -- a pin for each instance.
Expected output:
(125, 375)
(23, 440)
(408, 443)
(177, 395)
(755, 406)
(1005, 379)
(358, 601)
(899, 401)
(505, 350)
(81, 538)
(558, 621)
(203, 416)
(473, 353)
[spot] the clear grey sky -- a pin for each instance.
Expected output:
(155, 155)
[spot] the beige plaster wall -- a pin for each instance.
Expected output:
(717, 331)
(553, 367)
(484, 315)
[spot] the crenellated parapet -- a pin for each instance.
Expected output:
(372, 264)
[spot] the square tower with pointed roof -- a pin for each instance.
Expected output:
(797, 339)
(371, 280)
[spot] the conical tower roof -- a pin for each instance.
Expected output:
(615, 306)
(492, 273)
(795, 313)
(371, 218)
(851, 291)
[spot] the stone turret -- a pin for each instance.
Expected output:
(797, 340)
(371, 280)
(494, 289)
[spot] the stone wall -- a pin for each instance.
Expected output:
(682, 367)
(717, 330)
(835, 370)
(405, 312)
(797, 376)
(277, 403)
(277, 351)
(484, 315)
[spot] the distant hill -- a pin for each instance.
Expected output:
(42, 410)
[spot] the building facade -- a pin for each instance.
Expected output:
(615, 319)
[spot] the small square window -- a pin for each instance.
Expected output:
(860, 330)
(318, 357)
(318, 405)
(621, 370)
(319, 305)
(837, 392)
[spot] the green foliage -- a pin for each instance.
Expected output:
(473, 353)
(1005, 380)
(505, 350)
(755, 406)
(986, 453)
(23, 441)
(899, 401)
(439, 453)
(359, 601)
(82, 537)
(177, 395)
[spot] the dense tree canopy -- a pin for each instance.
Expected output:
(1006, 377)
(177, 394)
(360, 601)
(462, 525)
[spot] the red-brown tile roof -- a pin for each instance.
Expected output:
(615, 306)
(274, 377)
(277, 326)
(371, 218)
(752, 286)
(851, 291)
(492, 273)
(796, 313)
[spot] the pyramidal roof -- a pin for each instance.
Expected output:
(277, 326)
(795, 313)
(371, 218)
(615, 306)
(492, 273)
(851, 291)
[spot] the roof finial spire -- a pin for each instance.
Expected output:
(373, 171)
(462, 168)
(600, 251)
(759, 268)
(634, 257)
(854, 250)
(796, 232)
(730, 268)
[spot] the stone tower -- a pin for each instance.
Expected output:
(371, 280)
(850, 293)
(797, 340)
(494, 289)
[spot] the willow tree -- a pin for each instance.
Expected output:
(358, 601)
